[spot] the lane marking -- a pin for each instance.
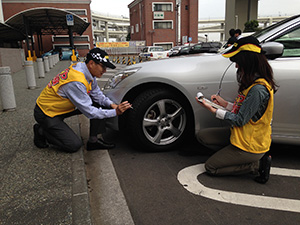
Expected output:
(188, 179)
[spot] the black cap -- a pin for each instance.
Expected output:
(100, 56)
(249, 43)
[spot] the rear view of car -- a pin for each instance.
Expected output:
(153, 53)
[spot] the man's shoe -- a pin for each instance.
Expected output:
(264, 169)
(99, 144)
(39, 140)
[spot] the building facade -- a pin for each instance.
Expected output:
(79, 7)
(165, 23)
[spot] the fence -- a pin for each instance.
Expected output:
(122, 48)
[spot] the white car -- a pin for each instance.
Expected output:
(165, 112)
(153, 53)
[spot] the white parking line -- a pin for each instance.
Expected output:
(188, 178)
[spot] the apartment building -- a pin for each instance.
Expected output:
(165, 23)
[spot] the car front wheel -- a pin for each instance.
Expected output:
(159, 120)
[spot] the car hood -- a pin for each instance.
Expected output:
(187, 74)
(196, 67)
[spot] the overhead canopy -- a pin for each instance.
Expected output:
(10, 34)
(46, 21)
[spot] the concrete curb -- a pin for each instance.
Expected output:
(107, 201)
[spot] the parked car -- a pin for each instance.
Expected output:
(163, 92)
(153, 53)
(66, 53)
(174, 51)
(185, 50)
(209, 47)
(51, 52)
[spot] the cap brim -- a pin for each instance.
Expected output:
(109, 65)
(246, 47)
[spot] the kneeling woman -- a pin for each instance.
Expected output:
(244, 146)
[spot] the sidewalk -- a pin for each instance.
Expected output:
(38, 186)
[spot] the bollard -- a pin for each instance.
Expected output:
(55, 59)
(46, 64)
(7, 90)
(40, 65)
(50, 61)
(30, 75)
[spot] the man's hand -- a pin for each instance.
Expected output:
(121, 108)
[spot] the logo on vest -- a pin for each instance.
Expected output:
(61, 76)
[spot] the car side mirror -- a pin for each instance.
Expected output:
(272, 50)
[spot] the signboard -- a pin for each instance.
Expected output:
(158, 15)
(112, 44)
(70, 20)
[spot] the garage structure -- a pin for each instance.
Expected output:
(45, 24)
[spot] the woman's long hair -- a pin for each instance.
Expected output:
(251, 66)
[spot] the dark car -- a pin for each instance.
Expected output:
(175, 51)
(208, 47)
(185, 50)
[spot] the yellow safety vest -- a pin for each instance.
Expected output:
(50, 102)
(255, 137)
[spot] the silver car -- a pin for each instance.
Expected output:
(165, 112)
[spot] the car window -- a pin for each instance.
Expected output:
(196, 47)
(156, 49)
(291, 42)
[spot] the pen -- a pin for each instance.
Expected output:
(217, 94)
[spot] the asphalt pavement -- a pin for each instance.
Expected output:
(38, 186)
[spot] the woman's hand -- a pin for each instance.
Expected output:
(219, 100)
(207, 106)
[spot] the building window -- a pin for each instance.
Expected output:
(132, 29)
(166, 46)
(136, 28)
(66, 38)
(163, 24)
(162, 6)
(77, 46)
(79, 12)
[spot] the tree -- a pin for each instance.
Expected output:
(128, 38)
(251, 26)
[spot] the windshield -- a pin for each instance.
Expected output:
(156, 49)
(267, 29)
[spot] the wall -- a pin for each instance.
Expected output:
(12, 57)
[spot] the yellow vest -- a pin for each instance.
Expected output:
(255, 137)
(50, 102)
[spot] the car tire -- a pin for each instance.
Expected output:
(151, 124)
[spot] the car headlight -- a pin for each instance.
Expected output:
(118, 77)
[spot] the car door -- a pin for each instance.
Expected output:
(286, 119)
